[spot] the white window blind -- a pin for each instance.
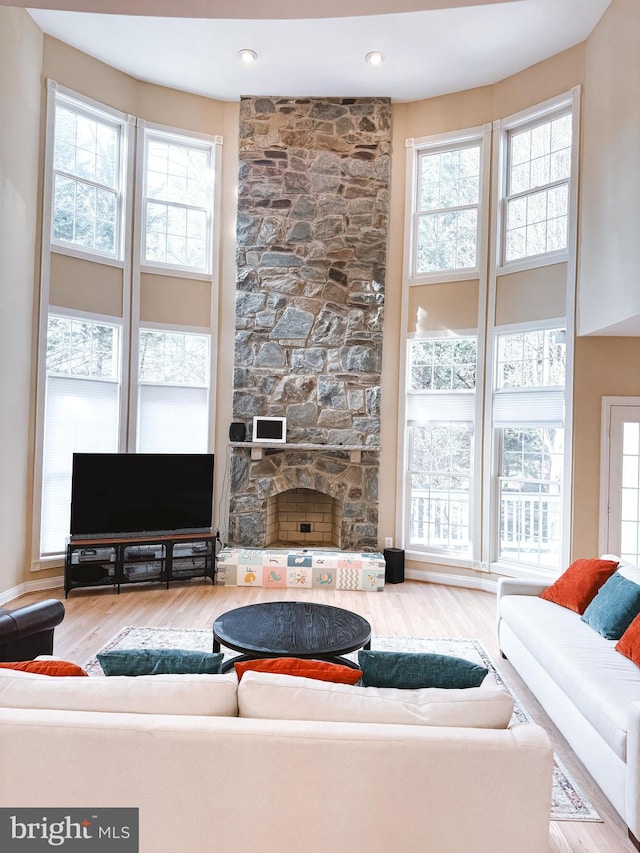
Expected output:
(81, 416)
(172, 419)
(529, 408)
(440, 407)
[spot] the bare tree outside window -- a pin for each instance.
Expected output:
(86, 179)
(447, 209)
(538, 188)
(178, 202)
(532, 458)
(81, 348)
(441, 446)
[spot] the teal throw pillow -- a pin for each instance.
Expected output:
(413, 670)
(614, 607)
(159, 662)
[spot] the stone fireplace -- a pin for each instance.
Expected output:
(311, 259)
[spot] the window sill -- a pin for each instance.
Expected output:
(196, 275)
(533, 262)
(434, 559)
(84, 255)
(55, 561)
(533, 573)
(444, 276)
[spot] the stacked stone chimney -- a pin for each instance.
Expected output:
(311, 257)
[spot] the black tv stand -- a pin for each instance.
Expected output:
(121, 560)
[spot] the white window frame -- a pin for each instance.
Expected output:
(567, 103)
(570, 258)
(445, 556)
(613, 408)
(210, 323)
(456, 139)
(136, 383)
(493, 455)
(211, 144)
(38, 561)
(125, 123)
(480, 136)
(129, 319)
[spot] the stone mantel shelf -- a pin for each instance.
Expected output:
(258, 448)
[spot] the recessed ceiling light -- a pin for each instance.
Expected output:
(374, 57)
(247, 55)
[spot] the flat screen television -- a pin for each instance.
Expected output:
(140, 493)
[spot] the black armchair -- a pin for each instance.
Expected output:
(27, 632)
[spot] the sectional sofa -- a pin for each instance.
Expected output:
(590, 690)
(279, 763)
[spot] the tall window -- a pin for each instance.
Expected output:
(447, 204)
(528, 415)
(489, 322)
(81, 413)
(448, 199)
(440, 418)
(537, 188)
(88, 161)
(178, 201)
(132, 207)
(173, 392)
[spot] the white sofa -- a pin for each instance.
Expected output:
(210, 777)
(590, 691)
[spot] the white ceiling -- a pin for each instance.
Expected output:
(431, 47)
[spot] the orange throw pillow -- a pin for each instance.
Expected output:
(629, 643)
(579, 584)
(318, 669)
(46, 667)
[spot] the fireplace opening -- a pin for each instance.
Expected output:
(303, 518)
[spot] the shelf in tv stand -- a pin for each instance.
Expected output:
(123, 560)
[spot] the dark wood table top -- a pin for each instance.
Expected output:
(292, 628)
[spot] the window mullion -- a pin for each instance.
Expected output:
(436, 210)
(182, 205)
(526, 193)
(95, 184)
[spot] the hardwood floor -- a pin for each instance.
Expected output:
(408, 609)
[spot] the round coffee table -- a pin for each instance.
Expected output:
(291, 629)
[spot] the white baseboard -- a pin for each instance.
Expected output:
(485, 584)
(30, 586)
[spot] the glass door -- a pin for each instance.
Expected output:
(622, 521)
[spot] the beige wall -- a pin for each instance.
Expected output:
(20, 62)
(443, 307)
(85, 285)
(485, 104)
(534, 294)
(95, 287)
(604, 366)
(611, 133)
(172, 299)
(609, 296)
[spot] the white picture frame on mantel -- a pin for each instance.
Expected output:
(269, 430)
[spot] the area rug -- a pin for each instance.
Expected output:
(569, 801)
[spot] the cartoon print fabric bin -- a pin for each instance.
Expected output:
(300, 568)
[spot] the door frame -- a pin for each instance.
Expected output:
(613, 410)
